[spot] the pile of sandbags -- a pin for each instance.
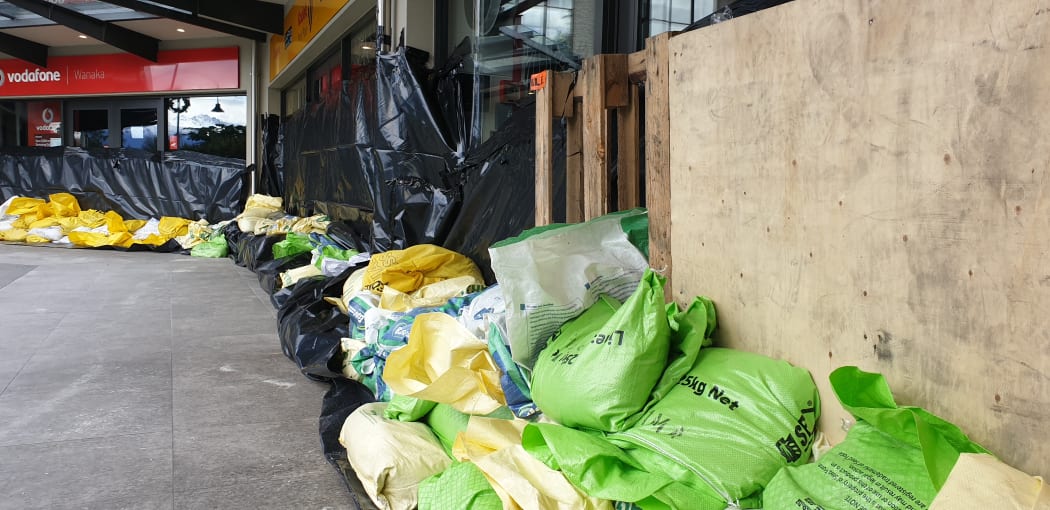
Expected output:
(572, 384)
(60, 220)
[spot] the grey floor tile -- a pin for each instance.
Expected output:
(226, 323)
(12, 272)
(131, 472)
(241, 389)
(208, 347)
(237, 454)
(316, 491)
(53, 372)
(116, 322)
(73, 413)
(8, 369)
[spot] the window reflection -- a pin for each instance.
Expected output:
(91, 128)
(210, 125)
(138, 128)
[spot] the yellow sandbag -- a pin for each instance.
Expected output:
(423, 264)
(171, 226)
(114, 222)
(133, 225)
(14, 234)
(310, 225)
(435, 294)
(291, 276)
(94, 240)
(24, 221)
(444, 363)
(50, 221)
(982, 481)
(35, 239)
(391, 457)
(263, 202)
(68, 224)
(91, 218)
(152, 240)
(24, 205)
(64, 205)
(519, 479)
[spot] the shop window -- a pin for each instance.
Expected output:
(209, 124)
(91, 128)
(138, 128)
(668, 15)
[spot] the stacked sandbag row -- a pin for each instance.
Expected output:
(572, 384)
(59, 220)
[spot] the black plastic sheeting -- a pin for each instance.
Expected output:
(310, 328)
(249, 250)
(271, 177)
(386, 155)
(135, 184)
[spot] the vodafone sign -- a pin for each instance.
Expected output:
(177, 70)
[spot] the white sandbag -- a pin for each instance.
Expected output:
(391, 457)
(152, 227)
(50, 233)
(982, 481)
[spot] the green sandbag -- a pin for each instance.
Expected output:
(446, 423)
(634, 222)
(213, 248)
(461, 486)
(292, 245)
(599, 370)
(716, 437)
(893, 457)
(402, 408)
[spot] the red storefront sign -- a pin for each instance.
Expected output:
(177, 70)
(45, 123)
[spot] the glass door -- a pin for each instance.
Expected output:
(115, 123)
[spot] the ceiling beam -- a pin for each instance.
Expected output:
(114, 35)
(190, 19)
(254, 14)
(30, 51)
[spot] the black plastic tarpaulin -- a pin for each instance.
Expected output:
(389, 154)
(135, 184)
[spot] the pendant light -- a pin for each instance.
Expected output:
(218, 107)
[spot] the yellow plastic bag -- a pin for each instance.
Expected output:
(172, 227)
(68, 224)
(17, 235)
(133, 225)
(409, 269)
(25, 221)
(50, 221)
(24, 205)
(520, 480)
(114, 222)
(35, 239)
(982, 481)
(435, 294)
(95, 240)
(64, 205)
(309, 225)
(91, 218)
(444, 363)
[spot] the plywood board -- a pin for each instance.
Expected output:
(868, 183)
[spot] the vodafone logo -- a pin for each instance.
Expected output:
(47, 115)
(26, 76)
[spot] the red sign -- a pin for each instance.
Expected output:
(45, 123)
(177, 70)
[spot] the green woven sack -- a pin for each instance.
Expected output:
(214, 248)
(461, 486)
(893, 457)
(717, 437)
(598, 371)
(292, 245)
(402, 408)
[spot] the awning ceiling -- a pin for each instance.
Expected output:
(30, 28)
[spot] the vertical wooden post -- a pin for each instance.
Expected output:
(628, 183)
(544, 153)
(574, 169)
(658, 155)
(605, 86)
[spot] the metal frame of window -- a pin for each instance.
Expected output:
(113, 108)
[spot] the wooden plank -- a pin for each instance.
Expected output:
(595, 139)
(564, 90)
(658, 157)
(628, 150)
(636, 66)
(868, 183)
(574, 169)
(545, 99)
